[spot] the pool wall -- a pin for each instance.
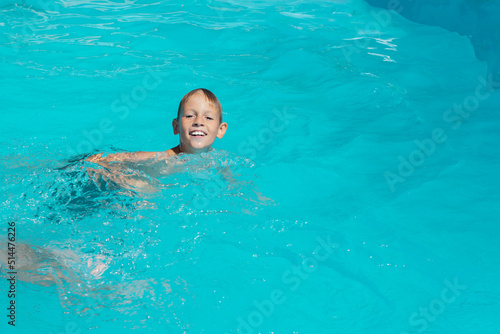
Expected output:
(475, 19)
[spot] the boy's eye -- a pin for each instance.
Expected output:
(210, 118)
(188, 116)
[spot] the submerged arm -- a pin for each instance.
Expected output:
(115, 169)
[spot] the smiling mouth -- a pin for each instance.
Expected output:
(197, 133)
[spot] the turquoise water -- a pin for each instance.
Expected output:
(356, 189)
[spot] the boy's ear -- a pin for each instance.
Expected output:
(175, 126)
(222, 130)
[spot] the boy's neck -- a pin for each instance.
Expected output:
(179, 149)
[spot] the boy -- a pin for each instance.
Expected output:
(198, 123)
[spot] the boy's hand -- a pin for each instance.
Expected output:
(96, 158)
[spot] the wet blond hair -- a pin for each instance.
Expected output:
(210, 97)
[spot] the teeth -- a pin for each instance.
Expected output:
(197, 133)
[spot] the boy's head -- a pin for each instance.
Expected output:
(199, 121)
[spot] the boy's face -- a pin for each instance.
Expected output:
(198, 125)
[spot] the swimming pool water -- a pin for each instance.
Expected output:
(356, 189)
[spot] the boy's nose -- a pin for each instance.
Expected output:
(198, 120)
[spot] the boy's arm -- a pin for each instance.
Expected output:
(126, 181)
(115, 171)
(125, 157)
